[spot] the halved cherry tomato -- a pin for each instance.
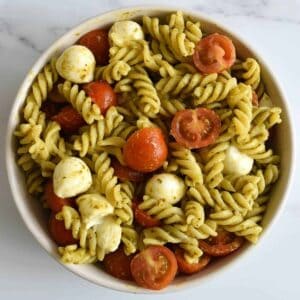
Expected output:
(102, 94)
(54, 202)
(55, 96)
(185, 267)
(223, 244)
(97, 42)
(154, 267)
(69, 119)
(254, 98)
(117, 264)
(214, 53)
(50, 109)
(59, 233)
(125, 173)
(195, 128)
(142, 218)
(145, 150)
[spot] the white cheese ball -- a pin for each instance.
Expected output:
(166, 186)
(71, 177)
(236, 162)
(93, 208)
(123, 32)
(76, 64)
(109, 234)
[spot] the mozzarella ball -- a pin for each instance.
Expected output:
(109, 234)
(236, 162)
(71, 177)
(93, 208)
(265, 101)
(76, 64)
(166, 186)
(123, 32)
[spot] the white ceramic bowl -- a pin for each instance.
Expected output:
(31, 210)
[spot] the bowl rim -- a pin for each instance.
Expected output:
(19, 198)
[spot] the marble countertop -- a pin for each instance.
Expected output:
(29, 27)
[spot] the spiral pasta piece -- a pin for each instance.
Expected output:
(112, 72)
(194, 213)
(187, 163)
(170, 107)
(162, 210)
(71, 254)
(80, 101)
(129, 239)
(124, 130)
(240, 100)
(267, 177)
(35, 181)
(201, 194)
(206, 230)
(267, 116)
(192, 252)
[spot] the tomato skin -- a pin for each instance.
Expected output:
(59, 233)
(55, 96)
(254, 99)
(97, 42)
(214, 53)
(117, 264)
(125, 173)
(69, 119)
(50, 109)
(154, 267)
(221, 245)
(54, 202)
(195, 128)
(142, 218)
(187, 268)
(145, 150)
(102, 94)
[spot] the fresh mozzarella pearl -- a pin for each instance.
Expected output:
(93, 208)
(123, 32)
(236, 162)
(71, 177)
(109, 234)
(265, 101)
(166, 186)
(76, 64)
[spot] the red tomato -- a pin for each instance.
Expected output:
(97, 42)
(195, 128)
(102, 94)
(142, 218)
(59, 233)
(125, 173)
(154, 267)
(69, 119)
(254, 98)
(223, 244)
(117, 264)
(214, 53)
(50, 109)
(54, 202)
(145, 150)
(185, 267)
(55, 96)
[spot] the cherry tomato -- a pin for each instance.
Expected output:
(125, 173)
(223, 244)
(185, 267)
(50, 109)
(54, 202)
(142, 218)
(97, 42)
(214, 53)
(145, 150)
(69, 119)
(59, 233)
(55, 96)
(154, 267)
(254, 98)
(117, 264)
(195, 128)
(102, 94)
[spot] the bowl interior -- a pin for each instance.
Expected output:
(35, 216)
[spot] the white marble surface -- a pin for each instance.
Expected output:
(29, 27)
